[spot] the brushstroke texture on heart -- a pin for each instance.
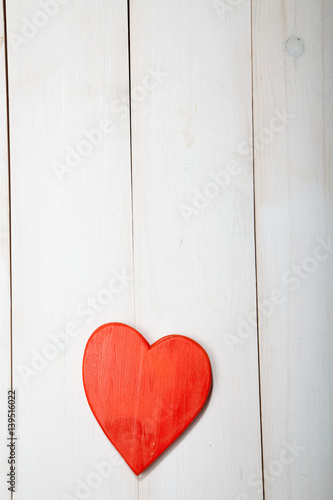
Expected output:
(144, 396)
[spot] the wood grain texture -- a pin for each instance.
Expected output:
(144, 396)
(193, 271)
(71, 236)
(5, 367)
(293, 62)
(194, 275)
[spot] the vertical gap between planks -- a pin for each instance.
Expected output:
(131, 163)
(256, 256)
(131, 142)
(9, 200)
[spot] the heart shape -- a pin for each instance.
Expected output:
(143, 396)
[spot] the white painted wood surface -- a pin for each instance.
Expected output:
(71, 237)
(5, 364)
(195, 275)
(185, 262)
(294, 188)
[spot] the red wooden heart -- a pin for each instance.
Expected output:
(144, 396)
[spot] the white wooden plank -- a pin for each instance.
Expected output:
(194, 269)
(5, 382)
(71, 237)
(293, 64)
